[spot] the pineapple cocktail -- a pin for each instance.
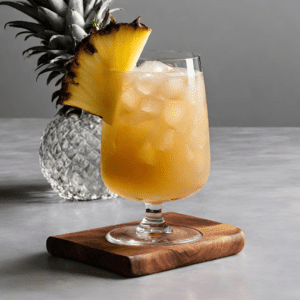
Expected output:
(157, 148)
(155, 143)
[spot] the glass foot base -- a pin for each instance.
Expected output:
(129, 236)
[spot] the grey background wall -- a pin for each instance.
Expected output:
(250, 55)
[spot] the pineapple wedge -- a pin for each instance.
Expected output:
(88, 84)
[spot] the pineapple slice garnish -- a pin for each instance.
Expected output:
(88, 84)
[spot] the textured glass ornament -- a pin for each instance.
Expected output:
(70, 157)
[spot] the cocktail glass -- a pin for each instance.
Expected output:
(157, 148)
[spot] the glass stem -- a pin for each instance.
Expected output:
(153, 221)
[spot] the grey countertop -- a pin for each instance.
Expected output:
(253, 185)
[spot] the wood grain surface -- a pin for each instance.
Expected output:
(91, 247)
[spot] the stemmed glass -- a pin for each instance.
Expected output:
(157, 148)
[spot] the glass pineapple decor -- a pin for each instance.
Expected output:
(70, 156)
(70, 146)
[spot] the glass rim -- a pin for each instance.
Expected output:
(194, 55)
(144, 58)
(114, 71)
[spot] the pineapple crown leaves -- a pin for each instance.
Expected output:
(107, 19)
(95, 23)
(60, 24)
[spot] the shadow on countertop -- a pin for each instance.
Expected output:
(43, 269)
(29, 193)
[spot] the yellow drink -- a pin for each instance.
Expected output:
(157, 148)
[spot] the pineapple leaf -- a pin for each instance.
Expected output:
(62, 58)
(58, 6)
(88, 7)
(56, 22)
(60, 80)
(48, 69)
(61, 111)
(52, 75)
(58, 64)
(35, 48)
(106, 19)
(32, 3)
(41, 35)
(57, 52)
(61, 63)
(33, 27)
(38, 35)
(28, 36)
(44, 3)
(93, 14)
(99, 14)
(22, 32)
(61, 42)
(49, 33)
(43, 59)
(116, 9)
(95, 23)
(58, 102)
(55, 95)
(33, 53)
(52, 65)
(45, 43)
(29, 11)
(77, 32)
(77, 6)
(42, 65)
(26, 5)
(73, 17)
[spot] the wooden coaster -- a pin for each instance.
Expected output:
(91, 247)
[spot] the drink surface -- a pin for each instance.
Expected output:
(157, 149)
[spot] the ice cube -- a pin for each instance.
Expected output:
(185, 127)
(153, 66)
(166, 139)
(147, 83)
(177, 72)
(174, 113)
(149, 109)
(188, 153)
(147, 153)
(173, 87)
(144, 130)
(152, 106)
(130, 100)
